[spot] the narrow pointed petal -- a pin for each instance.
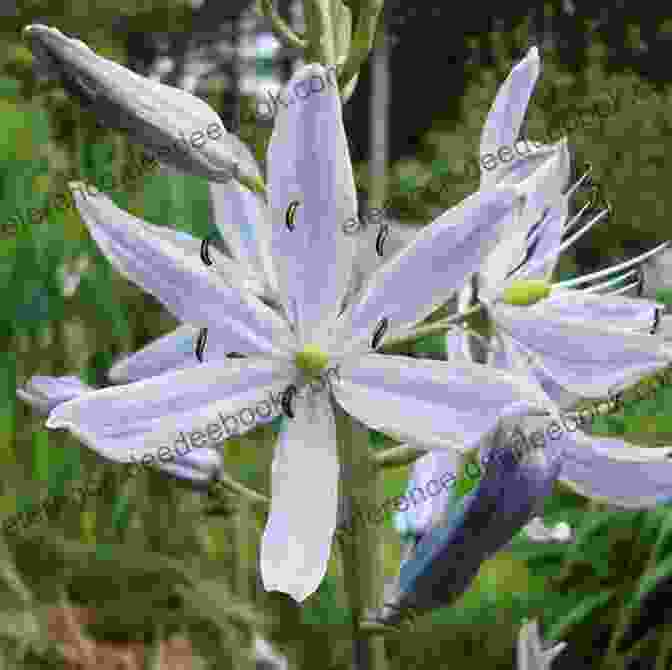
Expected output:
(448, 558)
(129, 421)
(178, 127)
(545, 242)
(309, 164)
(505, 118)
(612, 471)
(45, 393)
(436, 467)
(531, 655)
(229, 270)
(297, 539)
(590, 359)
(188, 289)
(243, 221)
(432, 403)
(174, 351)
(623, 313)
(438, 259)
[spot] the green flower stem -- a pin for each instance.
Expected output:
(389, 345)
(360, 548)
(236, 487)
(320, 35)
(397, 456)
(281, 30)
(366, 20)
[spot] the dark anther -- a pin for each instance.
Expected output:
(235, 354)
(200, 343)
(381, 328)
(205, 256)
(291, 211)
(382, 236)
(656, 322)
(287, 396)
(640, 282)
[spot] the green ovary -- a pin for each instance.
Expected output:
(311, 361)
(526, 292)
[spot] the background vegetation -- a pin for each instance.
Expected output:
(145, 558)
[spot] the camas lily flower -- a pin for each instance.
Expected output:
(177, 127)
(311, 192)
(545, 339)
(47, 393)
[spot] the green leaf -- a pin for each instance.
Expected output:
(588, 608)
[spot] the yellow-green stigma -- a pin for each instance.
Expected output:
(526, 292)
(311, 361)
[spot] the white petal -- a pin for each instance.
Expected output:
(620, 312)
(309, 163)
(589, 359)
(125, 421)
(612, 471)
(433, 403)
(244, 223)
(304, 487)
(502, 125)
(175, 351)
(232, 272)
(45, 393)
(413, 283)
(188, 289)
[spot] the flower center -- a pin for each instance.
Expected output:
(526, 292)
(311, 361)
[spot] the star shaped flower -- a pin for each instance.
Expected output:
(311, 192)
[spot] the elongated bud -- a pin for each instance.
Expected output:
(178, 128)
(526, 292)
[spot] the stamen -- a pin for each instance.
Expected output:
(205, 256)
(625, 289)
(235, 354)
(577, 217)
(381, 328)
(656, 322)
(287, 397)
(382, 236)
(614, 268)
(291, 212)
(580, 182)
(200, 343)
(611, 282)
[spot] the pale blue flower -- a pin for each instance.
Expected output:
(433, 402)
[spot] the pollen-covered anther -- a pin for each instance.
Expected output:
(311, 361)
(526, 292)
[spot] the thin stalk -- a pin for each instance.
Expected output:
(360, 548)
(390, 343)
